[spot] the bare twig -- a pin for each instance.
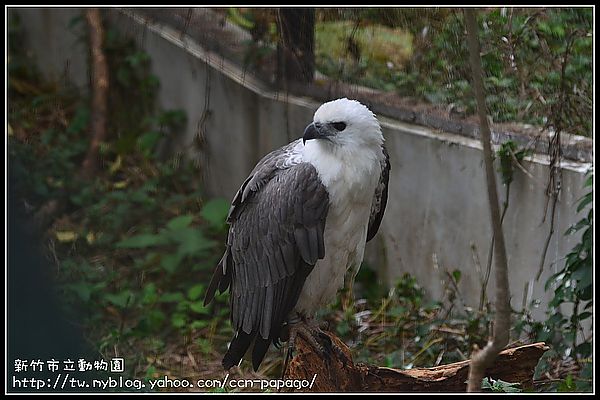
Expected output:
(456, 289)
(555, 151)
(99, 92)
(548, 238)
(484, 358)
(488, 270)
(518, 164)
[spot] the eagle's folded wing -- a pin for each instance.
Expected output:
(277, 223)
(380, 198)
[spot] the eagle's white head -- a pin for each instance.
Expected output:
(344, 143)
(344, 124)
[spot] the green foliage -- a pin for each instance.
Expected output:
(244, 20)
(135, 245)
(260, 23)
(573, 283)
(345, 50)
(401, 329)
(138, 124)
(215, 212)
(508, 155)
(571, 287)
(422, 53)
(499, 386)
(522, 51)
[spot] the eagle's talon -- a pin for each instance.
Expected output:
(299, 327)
(318, 340)
(311, 334)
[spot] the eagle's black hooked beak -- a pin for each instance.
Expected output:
(313, 131)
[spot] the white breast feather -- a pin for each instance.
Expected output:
(350, 179)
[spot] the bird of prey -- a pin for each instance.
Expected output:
(298, 227)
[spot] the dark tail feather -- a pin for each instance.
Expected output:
(260, 349)
(215, 282)
(238, 347)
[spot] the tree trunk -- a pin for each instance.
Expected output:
(99, 72)
(296, 57)
(481, 360)
(340, 374)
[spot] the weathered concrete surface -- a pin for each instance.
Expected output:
(54, 40)
(437, 210)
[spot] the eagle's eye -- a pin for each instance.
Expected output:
(339, 126)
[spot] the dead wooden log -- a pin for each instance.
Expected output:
(340, 374)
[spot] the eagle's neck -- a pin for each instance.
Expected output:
(347, 162)
(351, 165)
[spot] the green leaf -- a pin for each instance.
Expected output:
(485, 384)
(170, 262)
(141, 241)
(456, 274)
(195, 291)
(152, 321)
(583, 275)
(180, 222)
(500, 386)
(584, 315)
(343, 328)
(80, 120)
(137, 59)
(589, 181)
(175, 297)
(555, 319)
(178, 320)
(567, 385)
(198, 308)
(579, 225)
(584, 349)
(147, 142)
(215, 212)
(192, 242)
(199, 324)
(83, 290)
(151, 372)
(587, 199)
(172, 118)
(149, 294)
(508, 387)
(239, 19)
(122, 299)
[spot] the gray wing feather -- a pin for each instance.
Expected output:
(381, 195)
(277, 220)
(292, 238)
(262, 173)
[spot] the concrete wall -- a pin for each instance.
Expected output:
(437, 214)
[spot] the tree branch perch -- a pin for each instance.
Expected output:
(335, 374)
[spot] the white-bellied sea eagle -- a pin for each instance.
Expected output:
(299, 225)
